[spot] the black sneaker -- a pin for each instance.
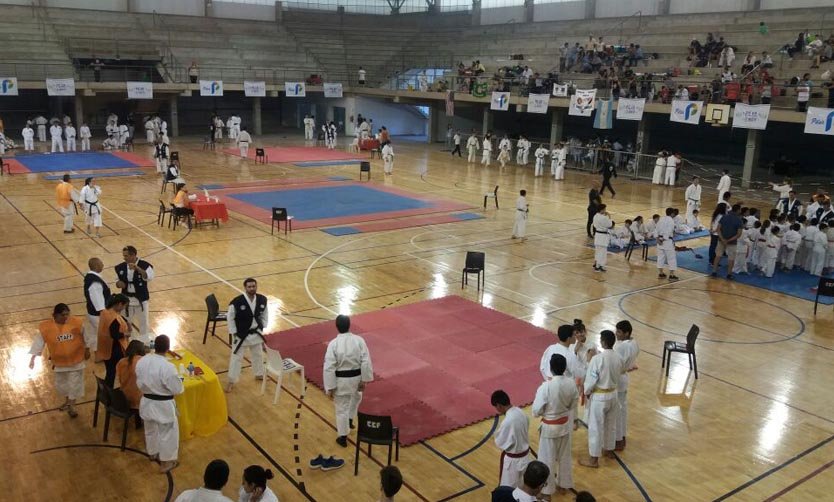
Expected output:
(332, 463)
(661, 275)
(317, 462)
(342, 441)
(673, 278)
(601, 269)
(729, 277)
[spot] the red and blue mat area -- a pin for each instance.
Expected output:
(75, 161)
(327, 203)
(435, 362)
(302, 154)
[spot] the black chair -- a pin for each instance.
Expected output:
(174, 157)
(102, 396)
(178, 215)
(491, 195)
(208, 143)
(166, 182)
(475, 263)
(279, 214)
(260, 155)
(160, 217)
(364, 167)
(214, 316)
(121, 409)
(632, 243)
(824, 288)
(687, 348)
(379, 430)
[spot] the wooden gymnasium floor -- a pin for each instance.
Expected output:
(758, 423)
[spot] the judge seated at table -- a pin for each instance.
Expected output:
(173, 174)
(182, 203)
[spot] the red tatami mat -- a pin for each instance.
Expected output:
(435, 362)
(292, 154)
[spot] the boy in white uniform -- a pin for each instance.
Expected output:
(243, 142)
(512, 438)
(541, 153)
(672, 162)
(28, 139)
(55, 133)
(519, 154)
(659, 166)
(556, 402)
(601, 384)
(557, 166)
(388, 158)
(818, 253)
(504, 147)
(84, 132)
(522, 209)
(666, 246)
(70, 133)
(472, 148)
(486, 156)
(602, 225)
(89, 198)
(790, 244)
(628, 350)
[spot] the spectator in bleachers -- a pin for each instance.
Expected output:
(766, 91)
(728, 56)
(749, 63)
(763, 29)
(193, 72)
(797, 45)
(682, 93)
(573, 57)
(362, 74)
(803, 92)
(727, 75)
(824, 52)
(767, 61)
(563, 56)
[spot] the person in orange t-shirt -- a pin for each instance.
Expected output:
(66, 197)
(113, 334)
(182, 204)
(126, 372)
(63, 336)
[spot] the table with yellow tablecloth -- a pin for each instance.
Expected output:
(202, 405)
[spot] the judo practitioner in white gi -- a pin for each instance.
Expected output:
(504, 147)
(55, 133)
(522, 210)
(472, 148)
(347, 369)
(159, 382)
(512, 438)
(541, 153)
(602, 225)
(84, 133)
(243, 142)
(601, 384)
(628, 350)
(247, 318)
(723, 185)
(659, 166)
(666, 255)
(693, 197)
(558, 160)
(388, 158)
(556, 403)
(486, 155)
(41, 122)
(308, 127)
(150, 135)
(89, 199)
(133, 275)
(329, 135)
(70, 133)
(672, 162)
(817, 261)
(28, 139)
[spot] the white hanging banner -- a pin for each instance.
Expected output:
(295, 89)
(686, 112)
(139, 90)
(60, 87)
(211, 87)
(8, 86)
(819, 121)
(332, 90)
(750, 116)
(254, 89)
(630, 109)
(538, 103)
(500, 101)
(582, 103)
(560, 91)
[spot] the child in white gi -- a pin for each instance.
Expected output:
(620, 236)
(486, 155)
(388, 158)
(519, 154)
(504, 151)
(541, 153)
(522, 209)
(638, 229)
(743, 245)
(557, 164)
(771, 250)
(651, 227)
(472, 148)
(628, 350)
(693, 222)
(680, 225)
(818, 254)
(790, 244)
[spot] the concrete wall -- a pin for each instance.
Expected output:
(701, 6)
(178, 7)
(625, 8)
(395, 117)
(243, 11)
(503, 15)
(563, 11)
(795, 4)
(110, 5)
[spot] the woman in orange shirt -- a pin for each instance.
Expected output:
(126, 371)
(181, 204)
(113, 334)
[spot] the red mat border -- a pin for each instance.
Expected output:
(235, 152)
(265, 216)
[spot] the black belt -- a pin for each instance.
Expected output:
(348, 373)
(157, 397)
(600, 231)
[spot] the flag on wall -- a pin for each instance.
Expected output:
(254, 89)
(604, 118)
(500, 101)
(295, 89)
(630, 109)
(8, 86)
(819, 121)
(686, 112)
(211, 87)
(538, 103)
(583, 102)
(560, 91)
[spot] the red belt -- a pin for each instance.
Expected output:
(555, 421)
(511, 455)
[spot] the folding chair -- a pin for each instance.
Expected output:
(213, 316)
(208, 144)
(120, 408)
(260, 155)
(160, 217)
(824, 288)
(178, 216)
(102, 397)
(5, 167)
(630, 247)
(475, 263)
(277, 366)
(166, 182)
(687, 348)
(491, 195)
(279, 214)
(374, 429)
(364, 167)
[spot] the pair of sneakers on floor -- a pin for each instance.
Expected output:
(326, 464)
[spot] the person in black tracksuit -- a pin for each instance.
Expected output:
(608, 171)
(594, 201)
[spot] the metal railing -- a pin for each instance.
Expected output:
(619, 26)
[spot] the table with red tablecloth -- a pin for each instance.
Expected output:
(209, 210)
(369, 144)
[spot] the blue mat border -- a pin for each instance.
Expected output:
(652, 242)
(326, 163)
(78, 176)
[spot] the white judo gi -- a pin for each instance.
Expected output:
(671, 169)
(817, 261)
(504, 147)
(157, 377)
(541, 153)
(723, 186)
(657, 174)
(150, 135)
(89, 198)
(557, 163)
(486, 155)
(388, 158)
(556, 402)
(243, 142)
(521, 212)
(472, 148)
(347, 363)
(28, 139)
(41, 122)
(512, 438)
(693, 199)
(666, 255)
(55, 133)
(308, 128)
(602, 225)
(601, 383)
(84, 133)
(70, 133)
(628, 350)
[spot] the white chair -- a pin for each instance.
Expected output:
(277, 366)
